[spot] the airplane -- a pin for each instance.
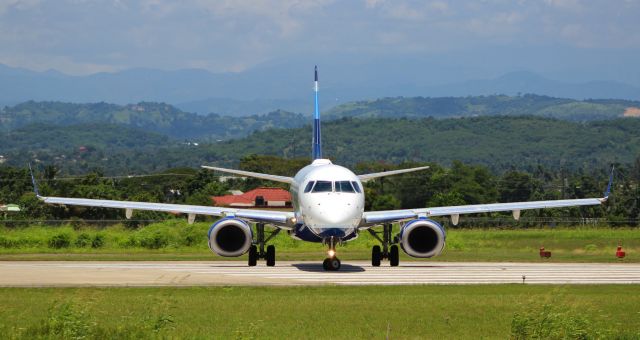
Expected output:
(328, 208)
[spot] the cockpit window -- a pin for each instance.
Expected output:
(356, 186)
(323, 186)
(309, 186)
(344, 186)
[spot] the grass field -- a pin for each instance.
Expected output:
(175, 240)
(436, 312)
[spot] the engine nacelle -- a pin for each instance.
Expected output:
(230, 237)
(422, 238)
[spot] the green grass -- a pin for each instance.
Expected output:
(175, 240)
(414, 312)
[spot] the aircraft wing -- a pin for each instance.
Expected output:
(371, 218)
(283, 179)
(282, 219)
(368, 177)
(375, 217)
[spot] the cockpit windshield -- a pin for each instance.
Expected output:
(356, 186)
(323, 186)
(309, 186)
(344, 186)
(328, 186)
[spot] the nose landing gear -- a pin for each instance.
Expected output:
(331, 263)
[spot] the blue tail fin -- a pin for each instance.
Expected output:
(317, 142)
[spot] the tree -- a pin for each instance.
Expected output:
(515, 186)
(385, 202)
(446, 199)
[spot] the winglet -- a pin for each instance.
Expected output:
(607, 192)
(33, 181)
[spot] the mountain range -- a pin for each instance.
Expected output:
(282, 85)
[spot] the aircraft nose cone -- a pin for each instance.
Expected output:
(337, 212)
(334, 211)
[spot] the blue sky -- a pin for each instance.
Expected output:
(84, 36)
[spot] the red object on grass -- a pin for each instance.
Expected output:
(544, 253)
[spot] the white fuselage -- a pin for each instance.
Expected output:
(328, 199)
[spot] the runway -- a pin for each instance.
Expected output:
(180, 273)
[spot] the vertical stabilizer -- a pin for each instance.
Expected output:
(317, 142)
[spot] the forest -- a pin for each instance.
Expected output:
(498, 142)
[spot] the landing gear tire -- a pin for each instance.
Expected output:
(376, 256)
(394, 256)
(334, 263)
(253, 256)
(331, 264)
(271, 256)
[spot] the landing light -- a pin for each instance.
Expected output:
(331, 253)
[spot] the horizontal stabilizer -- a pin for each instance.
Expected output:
(275, 178)
(371, 176)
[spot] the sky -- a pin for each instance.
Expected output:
(82, 37)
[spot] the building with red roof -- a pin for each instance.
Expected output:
(257, 198)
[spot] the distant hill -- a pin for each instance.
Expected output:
(151, 117)
(71, 138)
(450, 107)
(116, 149)
(499, 142)
(173, 122)
(528, 82)
(239, 108)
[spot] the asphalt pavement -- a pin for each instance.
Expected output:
(181, 273)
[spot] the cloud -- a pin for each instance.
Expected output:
(573, 5)
(226, 35)
(6, 5)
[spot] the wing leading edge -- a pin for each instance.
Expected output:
(282, 219)
(375, 217)
(371, 218)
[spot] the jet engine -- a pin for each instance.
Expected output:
(422, 238)
(230, 237)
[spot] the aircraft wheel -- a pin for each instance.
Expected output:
(331, 264)
(376, 256)
(253, 256)
(271, 256)
(394, 256)
(334, 263)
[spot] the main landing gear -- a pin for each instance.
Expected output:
(331, 263)
(389, 247)
(257, 251)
